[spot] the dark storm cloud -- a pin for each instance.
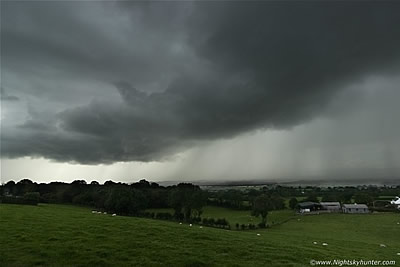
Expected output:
(7, 97)
(79, 41)
(230, 67)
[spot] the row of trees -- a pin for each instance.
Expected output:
(219, 223)
(186, 199)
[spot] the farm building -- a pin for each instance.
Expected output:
(305, 207)
(355, 208)
(331, 206)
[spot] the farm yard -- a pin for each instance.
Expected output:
(64, 235)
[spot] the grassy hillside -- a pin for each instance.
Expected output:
(72, 236)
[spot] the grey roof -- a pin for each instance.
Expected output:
(355, 206)
(330, 203)
(308, 204)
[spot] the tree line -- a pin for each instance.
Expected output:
(186, 199)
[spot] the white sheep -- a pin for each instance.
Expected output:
(180, 223)
(99, 212)
(114, 214)
(315, 243)
(382, 245)
(190, 225)
(258, 234)
(398, 253)
(104, 212)
(93, 211)
(324, 244)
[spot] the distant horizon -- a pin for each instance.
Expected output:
(255, 182)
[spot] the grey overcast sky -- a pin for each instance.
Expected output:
(224, 90)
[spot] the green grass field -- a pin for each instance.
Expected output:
(58, 235)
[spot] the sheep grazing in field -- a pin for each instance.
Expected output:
(324, 244)
(398, 222)
(104, 212)
(99, 212)
(315, 243)
(398, 253)
(201, 227)
(190, 225)
(258, 234)
(180, 223)
(93, 211)
(114, 214)
(382, 245)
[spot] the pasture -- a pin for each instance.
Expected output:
(60, 235)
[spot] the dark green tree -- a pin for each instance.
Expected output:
(312, 198)
(346, 197)
(330, 198)
(363, 198)
(261, 206)
(293, 203)
(124, 200)
(277, 202)
(187, 200)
